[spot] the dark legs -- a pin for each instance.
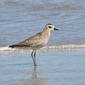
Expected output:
(33, 54)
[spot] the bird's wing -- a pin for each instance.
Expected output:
(32, 41)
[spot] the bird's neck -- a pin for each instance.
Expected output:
(46, 32)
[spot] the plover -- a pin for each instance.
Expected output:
(37, 41)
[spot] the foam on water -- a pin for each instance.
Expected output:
(59, 47)
(62, 47)
(5, 48)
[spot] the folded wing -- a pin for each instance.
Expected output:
(33, 41)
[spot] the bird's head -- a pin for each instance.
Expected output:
(50, 27)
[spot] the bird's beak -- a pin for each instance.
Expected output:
(56, 29)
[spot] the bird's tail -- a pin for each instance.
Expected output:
(12, 46)
(18, 45)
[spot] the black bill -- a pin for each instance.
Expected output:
(56, 29)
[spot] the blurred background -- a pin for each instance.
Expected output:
(20, 19)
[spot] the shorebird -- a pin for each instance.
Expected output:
(37, 41)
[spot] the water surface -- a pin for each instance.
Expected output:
(20, 19)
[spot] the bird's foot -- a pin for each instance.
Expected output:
(35, 65)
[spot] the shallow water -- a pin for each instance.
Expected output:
(54, 68)
(65, 65)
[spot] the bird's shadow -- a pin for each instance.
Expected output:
(17, 64)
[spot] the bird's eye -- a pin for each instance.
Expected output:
(49, 27)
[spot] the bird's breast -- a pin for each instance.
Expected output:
(45, 37)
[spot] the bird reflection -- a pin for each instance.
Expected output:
(34, 79)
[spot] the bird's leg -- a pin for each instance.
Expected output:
(33, 54)
(35, 58)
